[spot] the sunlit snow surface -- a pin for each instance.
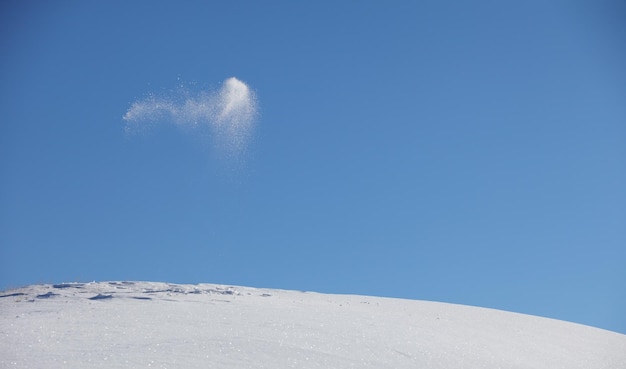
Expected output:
(160, 325)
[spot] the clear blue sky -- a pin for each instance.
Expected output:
(466, 153)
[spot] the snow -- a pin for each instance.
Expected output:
(162, 325)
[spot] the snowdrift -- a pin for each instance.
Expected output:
(161, 325)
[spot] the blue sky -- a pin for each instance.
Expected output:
(466, 153)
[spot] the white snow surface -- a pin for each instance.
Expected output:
(164, 325)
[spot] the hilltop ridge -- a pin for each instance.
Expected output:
(165, 325)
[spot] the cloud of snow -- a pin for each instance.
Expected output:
(230, 112)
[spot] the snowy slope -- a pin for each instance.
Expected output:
(160, 325)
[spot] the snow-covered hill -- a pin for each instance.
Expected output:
(160, 325)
